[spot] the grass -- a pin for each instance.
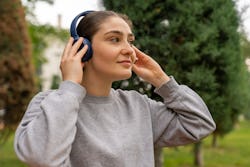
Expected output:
(233, 151)
(8, 157)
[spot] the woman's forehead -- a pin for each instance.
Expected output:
(115, 24)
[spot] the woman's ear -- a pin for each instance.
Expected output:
(86, 64)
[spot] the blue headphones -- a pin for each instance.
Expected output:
(73, 33)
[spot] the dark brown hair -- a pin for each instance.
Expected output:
(90, 24)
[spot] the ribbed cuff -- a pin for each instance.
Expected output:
(167, 88)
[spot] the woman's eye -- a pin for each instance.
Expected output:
(115, 40)
(131, 42)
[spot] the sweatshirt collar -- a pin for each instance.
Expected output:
(100, 99)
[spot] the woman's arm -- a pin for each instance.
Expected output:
(184, 117)
(48, 128)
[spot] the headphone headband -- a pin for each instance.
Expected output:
(73, 33)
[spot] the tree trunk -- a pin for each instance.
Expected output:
(198, 156)
(158, 157)
(214, 141)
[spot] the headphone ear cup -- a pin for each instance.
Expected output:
(89, 51)
(73, 33)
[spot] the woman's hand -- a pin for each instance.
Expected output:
(71, 65)
(148, 69)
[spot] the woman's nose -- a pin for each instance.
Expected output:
(127, 49)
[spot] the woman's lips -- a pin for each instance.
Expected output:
(126, 63)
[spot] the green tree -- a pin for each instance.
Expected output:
(39, 36)
(21, 56)
(245, 49)
(17, 78)
(198, 43)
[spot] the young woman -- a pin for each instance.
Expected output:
(86, 123)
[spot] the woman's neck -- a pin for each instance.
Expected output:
(96, 85)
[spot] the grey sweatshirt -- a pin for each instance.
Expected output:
(68, 128)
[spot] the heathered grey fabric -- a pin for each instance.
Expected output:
(68, 128)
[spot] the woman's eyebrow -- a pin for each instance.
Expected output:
(118, 33)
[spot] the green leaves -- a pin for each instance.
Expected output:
(198, 42)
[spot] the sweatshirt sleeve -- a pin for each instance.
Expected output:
(47, 130)
(182, 119)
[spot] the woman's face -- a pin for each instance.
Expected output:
(113, 55)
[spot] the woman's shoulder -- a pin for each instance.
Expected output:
(41, 95)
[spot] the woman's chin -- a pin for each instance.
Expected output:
(124, 76)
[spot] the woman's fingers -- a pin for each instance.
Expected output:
(76, 47)
(148, 69)
(72, 49)
(82, 52)
(142, 58)
(71, 65)
(67, 48)
(139, 54)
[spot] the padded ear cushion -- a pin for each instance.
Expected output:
(73, 33)
(89, 51)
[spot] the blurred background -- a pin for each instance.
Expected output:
(204, 44)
